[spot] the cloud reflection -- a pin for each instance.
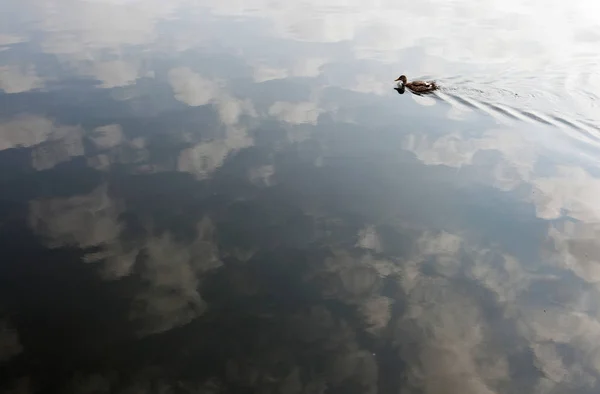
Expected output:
(295, 113)
(113, 73)
(15, 79)
(194, 90)
(454, 313)
(10, 345)
(172, 273)
(168, 269)
(50, 143)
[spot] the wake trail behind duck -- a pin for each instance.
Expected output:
(507, 114)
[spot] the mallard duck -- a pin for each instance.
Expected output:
(417, 86)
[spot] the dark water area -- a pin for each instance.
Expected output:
(230, 197)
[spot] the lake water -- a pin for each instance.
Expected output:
(230, 197)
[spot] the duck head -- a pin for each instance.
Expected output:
(401, 79)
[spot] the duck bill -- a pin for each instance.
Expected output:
(396, 80)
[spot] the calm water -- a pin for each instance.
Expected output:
(230, 197)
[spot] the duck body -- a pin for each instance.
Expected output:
(418, 87)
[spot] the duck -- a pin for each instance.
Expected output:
(416, 86)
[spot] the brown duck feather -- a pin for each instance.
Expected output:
(418, 86)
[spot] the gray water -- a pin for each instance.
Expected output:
(230, 197)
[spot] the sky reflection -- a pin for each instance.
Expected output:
(206, 197)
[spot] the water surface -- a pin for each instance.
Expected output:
(230, 197)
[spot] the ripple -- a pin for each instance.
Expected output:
(475, 99)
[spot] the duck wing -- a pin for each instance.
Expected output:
(421, 86)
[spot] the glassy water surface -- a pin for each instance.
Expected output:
(230, 197)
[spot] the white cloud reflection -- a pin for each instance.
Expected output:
(495, 43)
(83, 221)
(77, 28)
(107, 137)
(194, 90)
(15, 79)
(570, 190)
(296, 113)
(50, 143)
(25, 131)
(575, 248)
(172, 272)
(10, 39)
(456, 352)
(169, 270)
(567, 191)
(566, 196)
(204, 158)
(82, 34)
(556, 44)
(113, 73)
(302, 67)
